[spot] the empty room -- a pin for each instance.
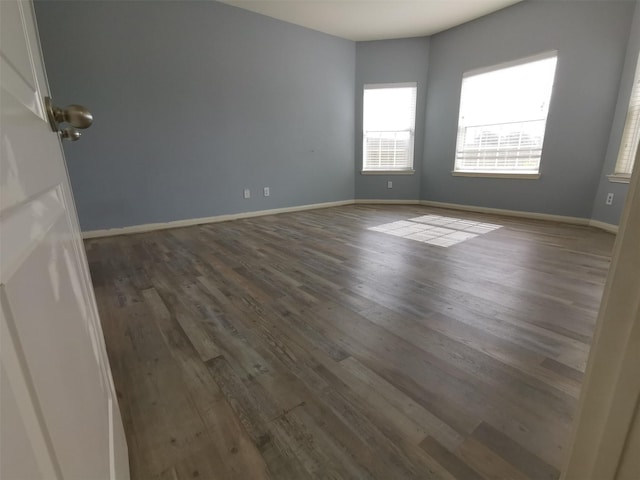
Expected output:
(320, 239)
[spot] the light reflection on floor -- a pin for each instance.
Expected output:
(436, 230)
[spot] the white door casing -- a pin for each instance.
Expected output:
(606, 431)
(59, 416)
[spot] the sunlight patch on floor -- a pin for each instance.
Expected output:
(436, 230)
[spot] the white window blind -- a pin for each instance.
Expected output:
(503, 115)
(389, 113)
(631, 133)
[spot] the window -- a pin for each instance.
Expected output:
(631, 133)
(389, 113)
(503, 115)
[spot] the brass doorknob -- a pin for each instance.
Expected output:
(75, 115)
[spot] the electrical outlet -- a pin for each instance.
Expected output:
(266, 191)
(389, 184)
(247, 193)
(609, 200)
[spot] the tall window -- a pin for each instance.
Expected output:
(631, 133)
(503, 114)
(389, 114)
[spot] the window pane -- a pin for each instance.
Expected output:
(388, 124)
(389, 109)
(503, 114)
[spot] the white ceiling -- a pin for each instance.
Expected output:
(374, 20)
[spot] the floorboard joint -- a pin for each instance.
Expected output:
(310, 345)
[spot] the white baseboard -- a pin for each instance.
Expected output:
(148, 227)
(363, 201)
(509, 213)
(607, 227)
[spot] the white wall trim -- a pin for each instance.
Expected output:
(510, 213)
(619, 178)
(515, 176)
(149, 227)
(410, 171)
(364, 201)
(607, 227)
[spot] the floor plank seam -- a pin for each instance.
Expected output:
(307, 346)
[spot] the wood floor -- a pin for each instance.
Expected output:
(304, 346)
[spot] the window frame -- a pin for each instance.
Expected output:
(627, 156)
(513, 174)
(411, 154)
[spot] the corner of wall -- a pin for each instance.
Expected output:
(601, 212)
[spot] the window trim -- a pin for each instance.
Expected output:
(375, 86)
(619, 177)
(631, 126)
(511, 63)
(492, 68)
(519, 176)
(388, 172)
(410, 170)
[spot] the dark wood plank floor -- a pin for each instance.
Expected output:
(305, 346)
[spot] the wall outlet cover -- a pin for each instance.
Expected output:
(389, 184)
(267, 192)
(247, 193)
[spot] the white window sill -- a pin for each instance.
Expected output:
(619, 178)
(387, 172)
(521, 176)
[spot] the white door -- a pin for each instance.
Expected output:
(59, 415)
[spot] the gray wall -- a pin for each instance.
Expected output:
(601, 211)
(591, 38)
(194, 101)
(391, 61)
